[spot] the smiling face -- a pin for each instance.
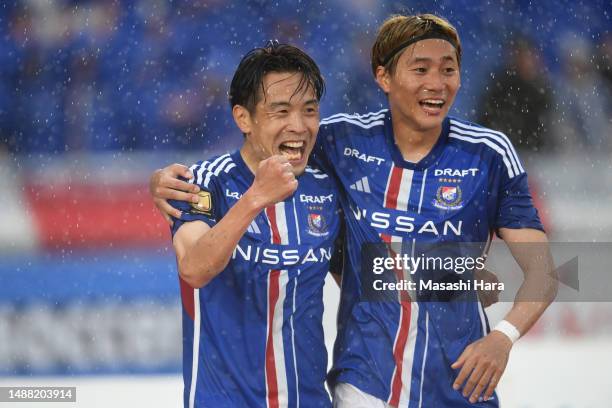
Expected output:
(285, 121)
(422, 87)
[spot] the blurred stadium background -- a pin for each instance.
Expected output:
(95, 95)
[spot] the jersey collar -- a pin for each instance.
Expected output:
(242, 167)
(429, 160)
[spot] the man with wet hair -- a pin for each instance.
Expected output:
(255, 246)
(411, 175)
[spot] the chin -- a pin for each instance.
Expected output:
(299, 170)
(431, 122)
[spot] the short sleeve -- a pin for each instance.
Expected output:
(320, 155)
(205, 210)
(515, 206)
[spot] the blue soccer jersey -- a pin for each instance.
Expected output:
(253, 336)
(469, 185)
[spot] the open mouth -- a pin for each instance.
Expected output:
(432, 105)
(293, 150)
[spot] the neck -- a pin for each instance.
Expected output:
(414, 143)
(250, 157)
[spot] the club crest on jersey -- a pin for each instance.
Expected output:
(204, 206)
(317, 225)
(448, 198)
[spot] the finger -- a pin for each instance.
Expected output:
(463, 374)
(170, 194)
(154, 181)
(167, 218)
(281, 159)
(174, 183)
(492, 384)
(166, 208)
(292, 187)
(461, 360)
(473, 379)
(482, 383)
(291, 180)
(181, 170)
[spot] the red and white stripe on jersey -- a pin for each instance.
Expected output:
(191, 303)
(276, 371)
(397, 196)
(397, 192)
(405, 339)
(195, 353)
(403, 354)
(394, 247)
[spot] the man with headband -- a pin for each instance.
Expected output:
(411, 175)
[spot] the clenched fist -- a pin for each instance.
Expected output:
(274, 181)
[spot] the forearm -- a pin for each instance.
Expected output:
(530, 249)
(210, 254)
(524, 314)
(536, 293)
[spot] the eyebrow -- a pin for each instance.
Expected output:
(425, 59)
(284, 104)
(279, 104)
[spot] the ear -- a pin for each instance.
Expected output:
(383, 78)
(242, 117)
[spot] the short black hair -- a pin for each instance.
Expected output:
(274, 57)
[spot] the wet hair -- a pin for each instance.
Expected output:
(247, 86)
(399, 31)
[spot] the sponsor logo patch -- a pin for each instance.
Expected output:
(205, 205)
(448, 198)
(317, 225)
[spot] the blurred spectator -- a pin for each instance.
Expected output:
(518, 98)
(34, 114)
(583, 108)
(37, 112)
(153, 74)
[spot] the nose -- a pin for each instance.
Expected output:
(296, 123)
(434, 81)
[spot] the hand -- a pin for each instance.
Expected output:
(164, 185)
(274, 181)
(484, 361)
(487, 297)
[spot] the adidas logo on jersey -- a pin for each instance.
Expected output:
(254, 228)
(362, 185)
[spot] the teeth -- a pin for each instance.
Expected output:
(289, 150)
(292, 155)
(295, 145)
(434, 101)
